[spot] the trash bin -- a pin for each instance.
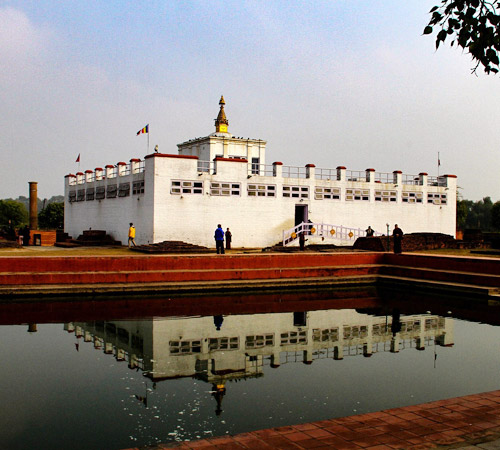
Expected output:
(37, 239)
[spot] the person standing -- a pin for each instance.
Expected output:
(219, 239)
(397, 235)
(131, 235)
(228, 239)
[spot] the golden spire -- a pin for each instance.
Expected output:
(221, 122)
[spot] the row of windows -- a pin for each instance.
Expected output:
(320, 193)
(233, 343)
(350, 332)
(300, 337)
(180, 187)
(111, 191)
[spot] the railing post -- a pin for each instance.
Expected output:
(310, 171)
(397, 177)
(341, 173)
(278, 169)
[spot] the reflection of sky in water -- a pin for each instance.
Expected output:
(54, 396)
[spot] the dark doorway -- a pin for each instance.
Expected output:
(301, 214)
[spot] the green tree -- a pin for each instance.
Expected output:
(52, 216)
(462, 213)
(495, 215)
(14, 211)
(473, 25)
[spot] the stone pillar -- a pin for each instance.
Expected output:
(341, 173)
(33, 205)
(310, 171)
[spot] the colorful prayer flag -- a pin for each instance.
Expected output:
(143, 130)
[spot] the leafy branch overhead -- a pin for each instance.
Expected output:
(473, 25)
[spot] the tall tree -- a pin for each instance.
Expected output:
(14, 211)
(473, 25)
(52, 216)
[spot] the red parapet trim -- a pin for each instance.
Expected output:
(340, 167)
(397, 171)
(370, 170)
(242, 160)
(450, 176)
(89, 171)
(277, 163)
(166, 155)
(135, 160)
(109, 166)
(310, 165)
(121, 163)
(70, 175)
(423, 173)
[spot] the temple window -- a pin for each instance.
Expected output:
(225, 189)
(436, 198)
(412, 197)
(124, 190)
(296, 191)
(327, 334)
(259, 341)
(90, 194)
(224, 343)
(385, 196)
(100, 192)
(186, 187)
(293, 337)
(261, 190)
(185, 347)
(326, 193)
(138, 187)
(111, 191)
(357, 194)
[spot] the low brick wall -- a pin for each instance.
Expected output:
(411, 242)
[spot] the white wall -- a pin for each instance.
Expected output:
(254, 221)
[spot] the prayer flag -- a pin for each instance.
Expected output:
(143, 130)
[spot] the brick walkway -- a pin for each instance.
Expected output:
(465, 422)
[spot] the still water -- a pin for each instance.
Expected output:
(120, 374)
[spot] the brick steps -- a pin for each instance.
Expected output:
(42, 264)
(176, 276)
(442, 275)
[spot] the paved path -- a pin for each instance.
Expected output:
(469, 422)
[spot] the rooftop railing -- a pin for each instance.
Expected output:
(326, 174)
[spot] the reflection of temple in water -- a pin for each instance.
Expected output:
(177, 347)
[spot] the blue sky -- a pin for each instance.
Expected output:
(325, 82)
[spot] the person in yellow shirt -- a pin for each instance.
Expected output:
(131, 235)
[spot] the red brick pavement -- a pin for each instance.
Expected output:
(452, 423)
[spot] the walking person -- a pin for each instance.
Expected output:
(228, 239)
(219, 239)
(131, 235)
(397, 235)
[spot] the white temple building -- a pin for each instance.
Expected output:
(225, 179)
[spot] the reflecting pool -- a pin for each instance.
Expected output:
(116, 374)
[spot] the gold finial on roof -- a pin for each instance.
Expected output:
(221, 122)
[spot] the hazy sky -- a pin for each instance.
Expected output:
(338, 82)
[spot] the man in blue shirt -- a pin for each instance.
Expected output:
(219, 239)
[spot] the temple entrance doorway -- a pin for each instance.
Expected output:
(301, 214)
